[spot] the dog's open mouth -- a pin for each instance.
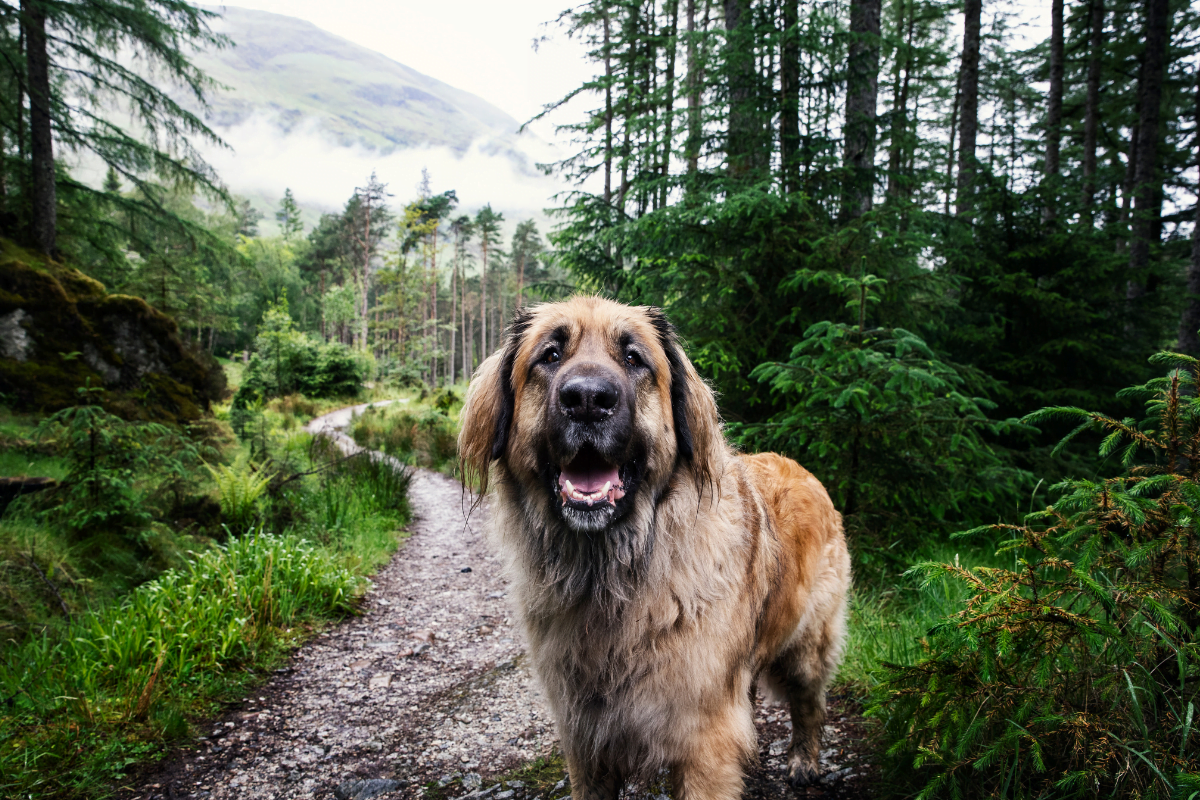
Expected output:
(590, 482)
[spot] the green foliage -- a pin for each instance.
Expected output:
(424, 438)
(117, 471)
(887, 425)
(239, 487)
(1075, 672)
(286, 361)
(130, 672)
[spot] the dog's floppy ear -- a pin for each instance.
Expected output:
(693, 406)
(488, 412)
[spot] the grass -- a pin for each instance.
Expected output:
(25, 464)
(890, 616)
(422, 432)
(117, 643)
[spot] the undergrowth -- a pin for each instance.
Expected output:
(423, 436)
(131, 615)
(1076, 671)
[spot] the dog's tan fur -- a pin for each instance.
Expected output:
(648, 636)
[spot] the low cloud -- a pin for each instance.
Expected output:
(265, 161)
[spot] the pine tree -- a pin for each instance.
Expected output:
(288, 217)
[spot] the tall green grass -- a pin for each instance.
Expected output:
(139, 668)
(424, 437)
(96, 675)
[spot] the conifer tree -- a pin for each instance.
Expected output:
(288, 217)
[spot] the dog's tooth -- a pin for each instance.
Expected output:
(570, 488)
(607, 486)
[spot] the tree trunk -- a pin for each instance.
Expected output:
(608, 108)
(483, 351)
(1189, 321)
(521, 279)
(896, 145)
(669, 104)
(1091, 119)
(44, 210)
(452, 364)
(694, 80)
(862, 89)
(1054, 108)
(789, 105)
(968, 106)
(1147, 180)
(740, 143)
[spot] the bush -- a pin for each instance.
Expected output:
(286, 361)
(427, 438)
(117, 470)
(891, 429)
(1076, 672)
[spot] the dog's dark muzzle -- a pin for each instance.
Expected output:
(591, 407)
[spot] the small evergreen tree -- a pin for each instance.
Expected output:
(1076, 673)
(288, 217)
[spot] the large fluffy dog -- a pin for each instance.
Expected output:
(658, 573)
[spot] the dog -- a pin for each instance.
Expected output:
(659, 575)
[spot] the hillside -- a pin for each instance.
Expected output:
(295, 73)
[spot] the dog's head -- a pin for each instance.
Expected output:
(593, 403)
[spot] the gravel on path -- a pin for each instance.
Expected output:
(427, 692)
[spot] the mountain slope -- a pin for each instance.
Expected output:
(295, 73)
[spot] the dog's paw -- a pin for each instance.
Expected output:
(801, 775)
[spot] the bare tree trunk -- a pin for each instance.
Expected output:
(950, 145)
(1091, 120)
(692, 148)
(789, 105)
(862, 90)
(1054, 107)
(669, 107)
(521, 279)
(45, 202)
(900, 88)
(483, 351)
(968, 107)
(741, 135)
(452, 365)
(608, 107)
(1189, 321)
(1147, 181)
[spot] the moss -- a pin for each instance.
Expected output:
(81, 335)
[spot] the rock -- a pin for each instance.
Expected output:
(363, 789)
(507, 793)
(60, 330)
(426, 636)
(465, 569)
(472, 780)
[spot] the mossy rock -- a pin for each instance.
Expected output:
(60, 331)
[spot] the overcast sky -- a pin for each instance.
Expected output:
(482, 46)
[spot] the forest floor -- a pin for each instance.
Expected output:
(427, 693)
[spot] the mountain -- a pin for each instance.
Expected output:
(296, 74)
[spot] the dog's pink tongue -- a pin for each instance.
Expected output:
(588, 478)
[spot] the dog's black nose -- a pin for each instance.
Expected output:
(588, 398)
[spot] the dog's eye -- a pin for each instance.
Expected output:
(551, 356)
(632, 359)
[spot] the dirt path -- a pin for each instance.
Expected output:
(426, 694)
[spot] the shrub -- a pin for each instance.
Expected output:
(426, 438)
(1076, 672)
(116, 469)
(891, 429)
(239, 489)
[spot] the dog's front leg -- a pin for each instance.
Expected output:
(712, 768)
(590, 781)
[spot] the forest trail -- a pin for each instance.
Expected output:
(428, 684)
